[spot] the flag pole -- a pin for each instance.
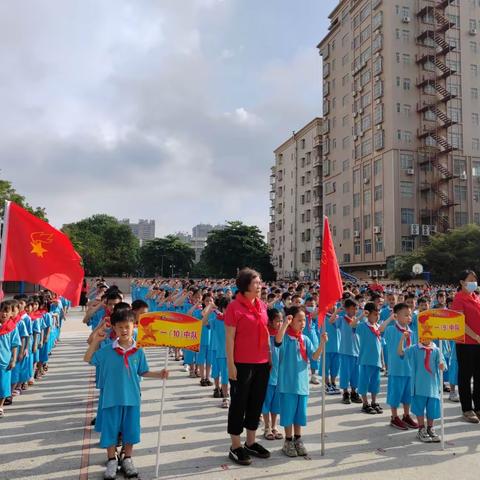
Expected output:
(324, 355)
(160, 423)
(3, 241)
(442, 418)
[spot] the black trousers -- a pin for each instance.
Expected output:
(468, 357)
(247, 394)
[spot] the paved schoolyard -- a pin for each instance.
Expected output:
(44, 434)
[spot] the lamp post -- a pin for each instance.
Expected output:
(172, 267)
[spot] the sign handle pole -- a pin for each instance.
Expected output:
(323, 399)
(442, 419)
(160, 423)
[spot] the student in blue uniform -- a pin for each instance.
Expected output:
(9, 345)
(271, 404)
(399, 389)
(426, 362)
(293, 382)
(204, 356)
(310, 331)
(332, 357)
(386, 312)
(370, 359)
(349, 351)
(121, 366)
(24, 335)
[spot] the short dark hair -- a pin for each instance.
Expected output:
(121, 306)
(370, 307)
(244, 279)
(422, 300)
(222, 303)
(294, 311)
(122, 315)
(138, 304)
(400, 306)
(113, 296)
(464, 274)
(350, 303)
(272, 313)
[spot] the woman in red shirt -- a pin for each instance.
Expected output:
(468, 354)
(248, 360)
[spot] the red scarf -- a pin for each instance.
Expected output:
(113, 335)
(36, 315)
(403, 330)
(309, 320)
(16, 319)
(7, 327)
(348, 319)
(125, 354)
(220, 316)
(374, 329)
(256, 309)
(298, 336)
(428, 354)
(272, 331)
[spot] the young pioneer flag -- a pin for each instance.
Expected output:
(33, 251)
(331, 287)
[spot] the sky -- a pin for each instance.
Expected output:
(162, 109)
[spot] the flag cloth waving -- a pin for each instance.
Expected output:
(331, 287)
(33, 251)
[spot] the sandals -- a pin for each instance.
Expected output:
(278, 435)
(8, 401)
(268, 434)
(226, 402)
(2, 413)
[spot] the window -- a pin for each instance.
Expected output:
(460, 193)
(476, 169)
(346, 210)
(474, 70)
(406, 189)
(356, 176)
(406, 160)
(378, 195)
(476, 144)
(367, 247)
(407, 83)
(367, 219)
(406, 59)
(378, 89)
(346, 187)
(367, 198)
(474, 93)
(378, 219)
(475, 119)
(303, 144)
(459, 166)
(473, 47)
(346, 234)
(346, 165)
(473, 24)
(356, 247)
(366, 147)
(356, 223)
(378, 114)
(356, 198)
(377, 167)
(461, 218)
(345, 142)
(346, 258)
(405, 35)
(407, 244)
(379, 139)
(407, 216)
(378, 66)
(379, 245)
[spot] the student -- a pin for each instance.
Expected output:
(9, 345)
(370, 359)
(386, 312)
(204, 356)
(121, 367)
(271, 404)
(22, 356)
(311, 329)
(332, 357)
(399, 389)
(293, 382)
(426, 362)
(422, 305)
(452, 365)
(349, 352)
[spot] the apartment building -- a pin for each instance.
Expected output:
(296, 204)
(401, 128)
(144, 230)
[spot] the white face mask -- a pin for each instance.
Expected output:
(471, 286)
(310, 309)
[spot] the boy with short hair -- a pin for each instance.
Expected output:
(120, 367)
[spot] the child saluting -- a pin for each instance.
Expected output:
(293, 382)
(120, 366)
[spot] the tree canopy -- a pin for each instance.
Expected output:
(235, 247)
(106, 246)
(157, 257)
(445, 256)
(7, 192)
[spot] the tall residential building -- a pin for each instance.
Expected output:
(296, 204)
(198, 239)
(401, 137)
(144, 230)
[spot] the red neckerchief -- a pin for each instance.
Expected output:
(113, 335)
(16, 319)
(309, 320)
(272, 331)
(7, 327)
(403, 330)
(256, 309)
(125, 354)
(298, 336)
(35, 315)
(428, 354)
(348, 319)
(374, 329)
(220, 316)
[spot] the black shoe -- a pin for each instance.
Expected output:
(93, 421)
(377, 407)
(368, 409)
(217, 393)
(257, 450)
(356, 398)
(346, 398)
(240, 456)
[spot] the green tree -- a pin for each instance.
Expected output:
(7, 192)
(446, 254)
(157, 256)
(106, 246)
(235, 247)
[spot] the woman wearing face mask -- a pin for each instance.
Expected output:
(468, 354)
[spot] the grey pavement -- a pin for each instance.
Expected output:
(44, 434)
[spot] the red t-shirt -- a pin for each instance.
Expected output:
(469, 305)
(251, 334)
(376, 288)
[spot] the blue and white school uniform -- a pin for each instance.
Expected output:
(385, 314)
(310, 331)
(189, 357)
(399, 388)
(221, 352)
(370, 358)
(26, 369)
(24, 335)
(349, 352)
(212, 323)
(293, 381)
(96, 318)
(8, 341)
(271, 404)
(453, 364)
(47, 321)
(37, 328)
(414, 327)
(332, 357)
(204, 356)
(426, 385)
(121, 395)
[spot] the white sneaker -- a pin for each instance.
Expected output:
(453, 397)
(314, 379)
(111, 470)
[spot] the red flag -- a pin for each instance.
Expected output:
(33, 251)
(331, 287)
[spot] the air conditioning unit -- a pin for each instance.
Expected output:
(382, 273)
(377, 230)
(473, 31)
(425, 230)
(414, 229)
(366, 181)
(433, 229)
(356, 233)
(410, 171)
(378, 101)
(463, 176)
(379, 127)
(355, 137)
(406, 20)
(369, 273)
(355, 114)
(375, 273)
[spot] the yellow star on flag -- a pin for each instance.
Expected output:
(37, 249)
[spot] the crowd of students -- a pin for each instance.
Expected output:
(29, 330)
